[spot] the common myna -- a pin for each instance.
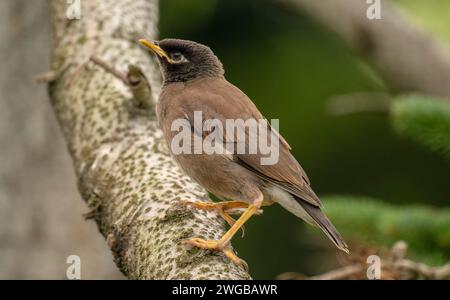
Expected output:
(194, 83)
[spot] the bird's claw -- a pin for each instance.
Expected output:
(199, 205)
(204, 244)
(216, 246)
(222, 208)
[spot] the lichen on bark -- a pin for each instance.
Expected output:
(125, 174)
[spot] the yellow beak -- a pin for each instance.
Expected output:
(155, 48)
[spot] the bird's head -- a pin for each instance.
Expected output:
(183, 60)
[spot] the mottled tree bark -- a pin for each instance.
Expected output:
(406, 58)
(124, 170)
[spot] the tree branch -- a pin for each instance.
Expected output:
(394, 265)
(125, 173)
(407, 58)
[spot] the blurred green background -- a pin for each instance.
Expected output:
(290, 67)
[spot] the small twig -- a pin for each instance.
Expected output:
(414, 270)
(342, 273)
(134, 79)
(46, 77)
(394, 266)
(50, 76)
(338, 274)
(398, 251)
(291, 276)
(108, 68)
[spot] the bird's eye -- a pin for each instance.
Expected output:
(176, 56)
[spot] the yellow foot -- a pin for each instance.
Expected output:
(216, 246)
(233, 257)
(204, 244)
(223, 244)
(221, 208)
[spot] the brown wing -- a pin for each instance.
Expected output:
(218, 99)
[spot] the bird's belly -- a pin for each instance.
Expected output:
(221, 176)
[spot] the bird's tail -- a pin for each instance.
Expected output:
(322, 221)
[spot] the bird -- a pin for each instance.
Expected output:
(194, 81)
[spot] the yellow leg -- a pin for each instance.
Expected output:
(221, 208)
(222, 244)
